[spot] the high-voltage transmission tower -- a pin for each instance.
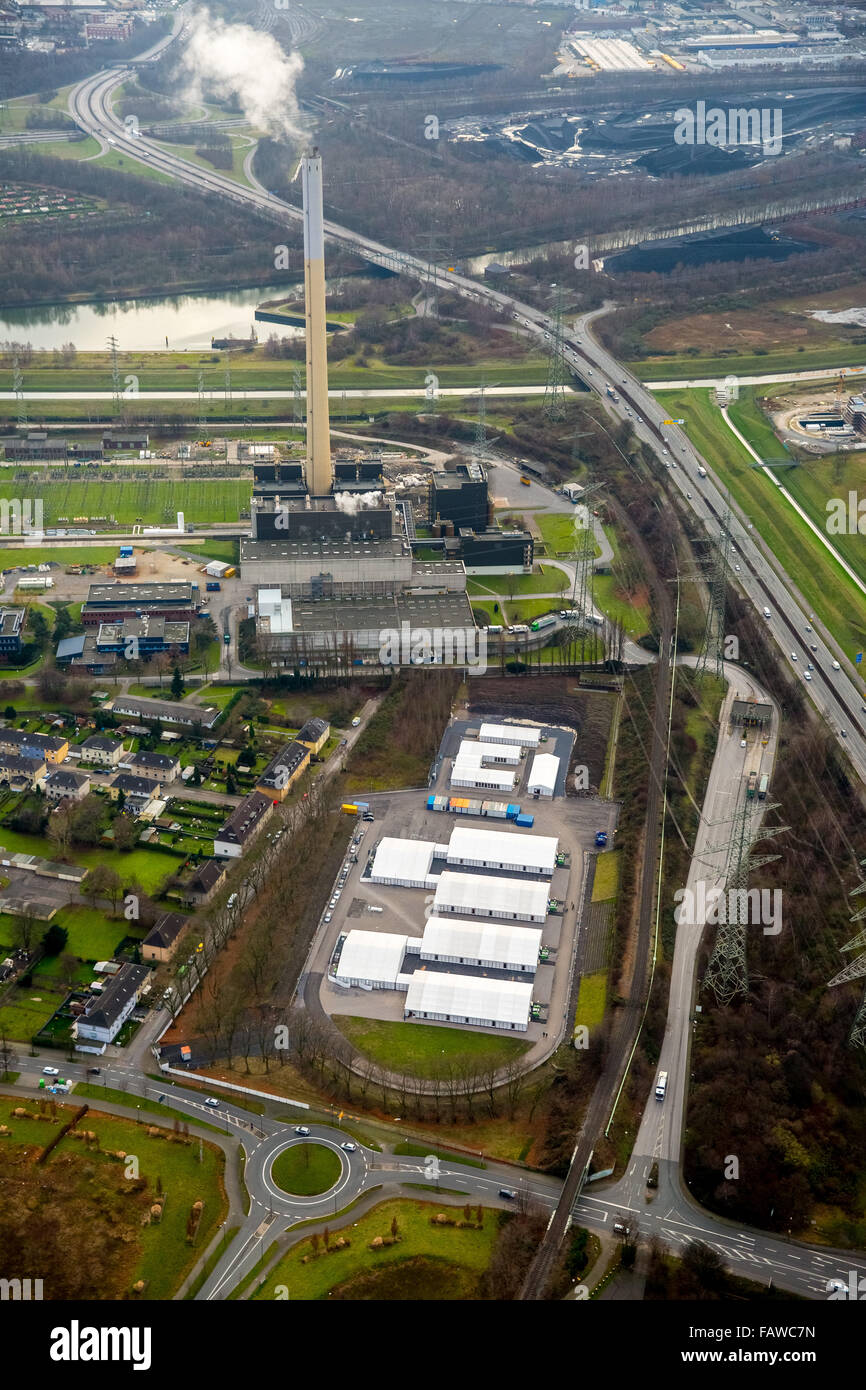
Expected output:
(18, 388)
(557, 375)
(116, 394)
(431, 253)
(479, 452)
(202, 409)
(728, 969)
(712, 656)
(583, 553)
(855, 970)
(297, 397)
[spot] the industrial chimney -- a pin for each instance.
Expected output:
(320, 475)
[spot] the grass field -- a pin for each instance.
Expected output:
(560, 533)
(32, 1008)
(687, 368)
(591, 1000)
(606, 881)
(824, 586)
(306, 1169)
(147, 500)
(467, 1250)
(147, 866)
(423, 1048)
(215, 550)
(66, 555)
(634, 613)
(92, 935)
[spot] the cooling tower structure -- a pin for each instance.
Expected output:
(320, 474)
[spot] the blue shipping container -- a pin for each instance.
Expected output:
(524, 819)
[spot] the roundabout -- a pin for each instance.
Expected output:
(306, 1169)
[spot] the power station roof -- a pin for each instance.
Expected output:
(507, 849)
(470, 997)
(496, 943)
(372, 956)
(476, 895)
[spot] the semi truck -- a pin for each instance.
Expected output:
(610, 391)
(753, 782)
(762, 789)
(547, 621)
(519, 629)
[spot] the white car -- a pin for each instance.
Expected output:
(349, 1147)
(356, 721)
(793, 656)
(302, 1129)
(807, 675)
(742, 743)
(50, 1071)
(737, 569)
(212, 1102)
(836, 666)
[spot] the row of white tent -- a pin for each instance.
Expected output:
(413, 863)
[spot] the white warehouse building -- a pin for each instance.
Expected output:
(502, 849)
(471, 751)
(407, 863)
(543, 775)
(521, 734)
(491, 945)
(469, 999)
(477, 895)
(472, 774)
(372, 959)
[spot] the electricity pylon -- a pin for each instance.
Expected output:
(115, 379)
(712, 657)
(728, 969)
(479, 451)
(554, 394)
(297, 398)
(202, 414)
(855, 970)
(18, 388)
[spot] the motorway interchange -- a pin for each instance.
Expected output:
(671, 1215)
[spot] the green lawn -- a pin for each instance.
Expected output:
(422, 1048)
(547, 580)
(66, 555)
(30, 1011)
(634, 614)
(306, 1169)
(591, 1000)
(149, 867)
(92, 935)
(824, 586)
(217, 550)
(468, 1250)
(688, 368)
(560, 531)
(606, 881)
(156, 501)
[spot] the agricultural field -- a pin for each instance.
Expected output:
(422, 1257)
(422, 1048)
(824, 586)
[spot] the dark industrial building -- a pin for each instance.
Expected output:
(321, 519)
(494, 551)
(111, 603)
(460, 497)
(11, 627)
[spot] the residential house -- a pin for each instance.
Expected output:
(169, 711)
(107, 752)
(64, 785)
(162, 940)
(138, 792)
(283, 771)
(204, 884)
(51, 747)
(104, 1017)
(314, 735)
(21, 770)
(154, 765)
(242, 826)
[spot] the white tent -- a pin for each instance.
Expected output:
(490, 778)
(543, 775)
(407, 863)
(469, 999)
(371, 958)
(496, 945)
(521, 734)
(470, 751)
(478, 895)
(502, 849)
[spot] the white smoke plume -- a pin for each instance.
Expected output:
(220, 59)
(353, 502)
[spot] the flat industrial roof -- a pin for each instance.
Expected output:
(497, 942)
(283, 549)
(544, 772)
(400, 861)
(419, 610)
(371, 955)
(469, 996)
(508, 848)
(497, 897)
